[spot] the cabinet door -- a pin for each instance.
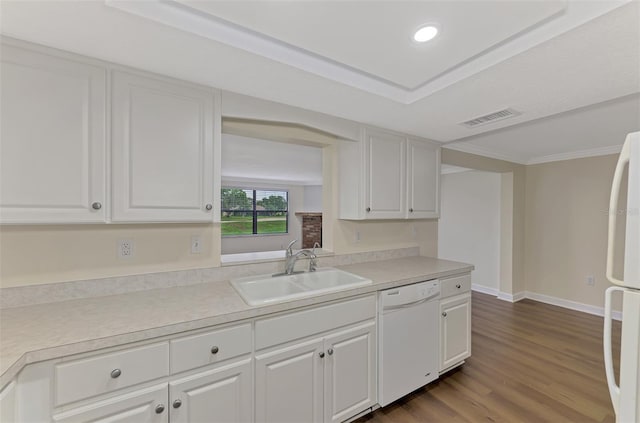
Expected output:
(350, 372)
(455, 330)
(144, 406)
(289, 384)
(221, 395)
(52, 146)
(423, 180)
(384, 175)
(162, 137)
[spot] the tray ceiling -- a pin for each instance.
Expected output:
(571, 69)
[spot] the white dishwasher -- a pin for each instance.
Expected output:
(408, 339)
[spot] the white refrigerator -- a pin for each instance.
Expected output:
(625, 396)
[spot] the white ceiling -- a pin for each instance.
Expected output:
(592, 130)
(253, 160)
(375, 38)
(540, 58)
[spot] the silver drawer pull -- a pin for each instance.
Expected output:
(458, 286)
(177, 403)
(214, 350)
(159, 408)
(330, 351)
(444, 314)
(115, 373)
(208, 207)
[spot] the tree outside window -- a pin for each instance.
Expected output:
(254, 211)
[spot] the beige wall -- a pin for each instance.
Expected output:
(512, 279)
(56, 253)
(566, 228)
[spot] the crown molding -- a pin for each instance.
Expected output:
(580, 154)
(183, 17)
(593, 152)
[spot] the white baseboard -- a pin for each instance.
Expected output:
(572, 305)
(512, 298)
(484, 289)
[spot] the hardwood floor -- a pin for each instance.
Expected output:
(531, 362)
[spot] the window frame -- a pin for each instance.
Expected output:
(254, 212)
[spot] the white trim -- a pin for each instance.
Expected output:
(474, 149)
(484, 289)
(547, 299)
(580, 154)
(572, 305)
(191, 20)
(512, 298)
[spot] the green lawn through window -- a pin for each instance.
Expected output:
(242, 225)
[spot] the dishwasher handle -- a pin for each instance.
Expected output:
(407, 305)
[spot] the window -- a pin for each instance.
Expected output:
(254, 211)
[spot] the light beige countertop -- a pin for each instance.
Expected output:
(46, 331)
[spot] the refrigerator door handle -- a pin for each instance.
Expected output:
(625, 156)
(614, 390)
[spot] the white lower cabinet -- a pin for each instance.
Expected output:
(326, 379)
(289, 384)
(350, 372)
(222, 395)
(143, 406)
(316, 364)
(455, 330)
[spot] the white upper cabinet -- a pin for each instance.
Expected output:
(162, 146)
(387, 176)
(52, 139)
(423, 179)
(384, 175)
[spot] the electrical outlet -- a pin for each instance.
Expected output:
(414, 232)
(196, 244)
(125, 248)
(591, 280)
(356, 237)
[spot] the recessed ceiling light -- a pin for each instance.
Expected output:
(425, 33)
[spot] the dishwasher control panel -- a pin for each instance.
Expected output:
(408, 294)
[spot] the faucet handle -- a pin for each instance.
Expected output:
(313, 263)
(289, 249)
(315, 244)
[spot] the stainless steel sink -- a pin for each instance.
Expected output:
(266, 289)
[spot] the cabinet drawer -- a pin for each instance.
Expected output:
(97, 375)
(455, 285)
(210, 347)
(288, 327)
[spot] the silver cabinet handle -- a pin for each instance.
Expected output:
(410, 210)
(321, 354)
(368, 209)
(177, 403)
(115, 373)
(208, 207)
(330, 351)
(458, 286)
(444, 314)
(96, 205)
(159, 408)
(214, 350)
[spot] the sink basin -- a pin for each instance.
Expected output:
(267, 289)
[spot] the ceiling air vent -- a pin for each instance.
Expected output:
(490, 118)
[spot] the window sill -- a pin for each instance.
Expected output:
(261, 257)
